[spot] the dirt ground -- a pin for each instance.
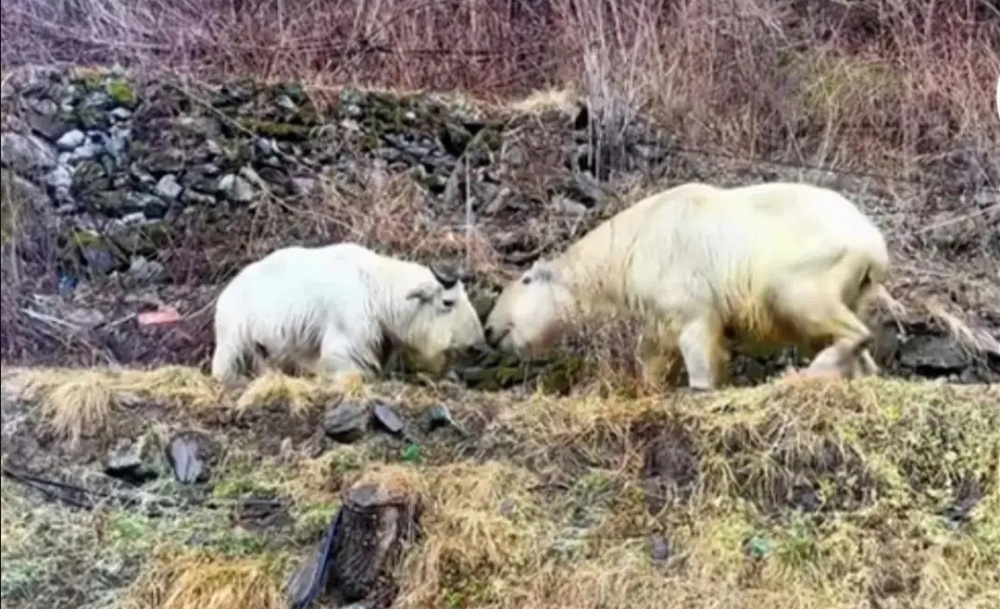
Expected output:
(809, 494)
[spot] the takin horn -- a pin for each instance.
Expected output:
(447, 279)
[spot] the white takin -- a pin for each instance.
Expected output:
(339, 310)
(761, 266)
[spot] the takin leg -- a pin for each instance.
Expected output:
(702, 345)
(227, 361)
(658, 355)
(336, 362)
(861, 365)
(848, 351)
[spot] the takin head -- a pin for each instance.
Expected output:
(532, 312)
(444, 321)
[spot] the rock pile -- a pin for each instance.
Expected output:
(114, 166)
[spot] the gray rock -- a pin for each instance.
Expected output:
(932, 355)
(99, 260)
(117, 143)
(121, 114)
(146, 272)
(88, 150)
(60, 178)
(153, 207)
(346, 422)
(166, 161)
(193, 197)
(236, 188)
(303, 186)
(213, 148)
(71, 139)
(134, 461)
(26, 153)
(168, 187)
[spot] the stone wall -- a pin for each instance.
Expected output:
(161, 185)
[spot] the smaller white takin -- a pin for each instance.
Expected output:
(709, 268)
(339, 310)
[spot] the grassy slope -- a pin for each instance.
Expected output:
(554, 502)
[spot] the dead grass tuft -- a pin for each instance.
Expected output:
(204, 581)
(483, 522)
(77, 406)
(273, 388)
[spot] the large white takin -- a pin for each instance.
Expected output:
(708, 268)
(339, 310)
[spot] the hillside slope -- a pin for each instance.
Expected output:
(812, 495)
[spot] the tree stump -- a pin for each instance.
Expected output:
(378, 519)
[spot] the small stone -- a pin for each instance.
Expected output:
(388, 418)
(147, 272)
(346, 422)
(88, 150)
(659, 548)
(132, 461)
(303, 186)
(121, 114)
(193, 197)
(933, 356)
(60, 177)
(213, 148)
(242, 192)
(185, 455)
(236, 188)
(154, 208)
(507, 508)
(71, 139)
(168, 187)
(99, 260)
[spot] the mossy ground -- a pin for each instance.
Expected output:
(811, 494)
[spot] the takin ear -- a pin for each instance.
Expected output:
(425, 292)
(544, 272)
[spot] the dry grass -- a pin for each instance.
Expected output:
(200, 581)
(560, 502)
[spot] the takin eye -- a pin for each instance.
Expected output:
(526, 280)
(448, 303)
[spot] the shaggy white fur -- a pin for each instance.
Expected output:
(765, 266)
(338, 310)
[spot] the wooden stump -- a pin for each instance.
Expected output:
(378, 518)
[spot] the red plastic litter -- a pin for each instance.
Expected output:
(156, 318)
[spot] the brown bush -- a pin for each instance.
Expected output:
(880, 86)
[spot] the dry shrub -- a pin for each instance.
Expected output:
(390, 212)
(854, 86)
